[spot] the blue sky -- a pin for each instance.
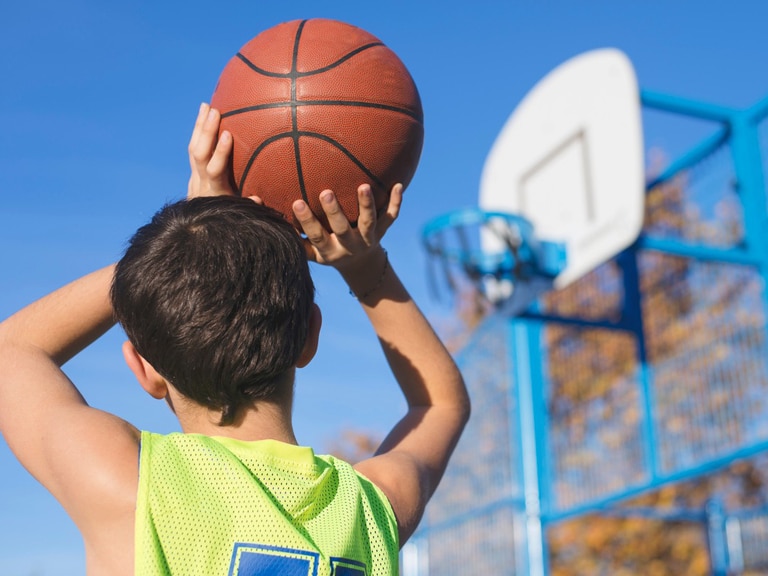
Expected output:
(98, 100)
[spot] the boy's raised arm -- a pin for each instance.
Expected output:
(70, 448)
(411, 460)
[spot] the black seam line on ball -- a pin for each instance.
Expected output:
(297, 135)
(341, 60)
(261, 71)
(344, 151)
(294, 114)
(295, 73)
(355, 103)
(255, 153)
(254, 108)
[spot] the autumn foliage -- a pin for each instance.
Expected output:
(704, 330)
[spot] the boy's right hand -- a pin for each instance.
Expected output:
(209, 159)
(354, 251)
(345, 246)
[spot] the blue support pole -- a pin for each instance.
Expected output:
(685, 107)
(747, 161)
(517, 425)
(748, 165)
(526, 366)
(759, 111)
(632, 318)
(716, 536)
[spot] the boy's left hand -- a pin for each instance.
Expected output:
(209, 158)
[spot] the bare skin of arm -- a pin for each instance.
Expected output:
(86, 458)
(412, 459)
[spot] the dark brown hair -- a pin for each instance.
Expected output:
(216, 294)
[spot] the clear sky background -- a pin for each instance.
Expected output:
(97, 101)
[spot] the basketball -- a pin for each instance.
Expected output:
(319, 104)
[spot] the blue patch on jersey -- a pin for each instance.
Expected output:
(260, 560)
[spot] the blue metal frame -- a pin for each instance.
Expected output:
(737, 128)
(740, 131)
(525, 336)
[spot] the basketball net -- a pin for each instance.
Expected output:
(498, 253)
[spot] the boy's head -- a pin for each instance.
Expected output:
(215, 293)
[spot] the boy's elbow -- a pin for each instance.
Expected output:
(466, 410)
(463, 404)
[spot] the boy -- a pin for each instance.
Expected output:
(216, 298)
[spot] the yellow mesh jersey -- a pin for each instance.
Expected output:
(217, 506)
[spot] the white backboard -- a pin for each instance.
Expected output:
(570, 160)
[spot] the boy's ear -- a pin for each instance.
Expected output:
(313, 336)
(154, 384)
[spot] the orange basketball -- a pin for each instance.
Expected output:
(317, 104)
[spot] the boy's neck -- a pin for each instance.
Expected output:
(262, 421)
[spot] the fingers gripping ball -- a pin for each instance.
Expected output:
(319, 104)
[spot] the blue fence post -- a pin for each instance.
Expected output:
(716, 536)
(632, 319)
(525, 341)
(747, 161)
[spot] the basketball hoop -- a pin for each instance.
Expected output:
(512, 274)
(564, 176)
